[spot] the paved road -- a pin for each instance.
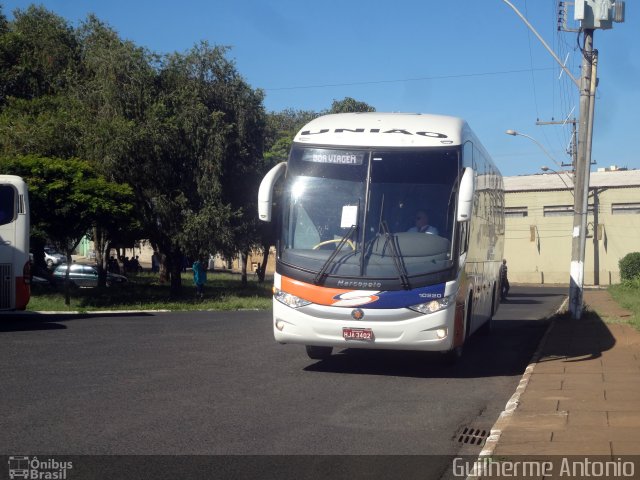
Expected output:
(215, 383)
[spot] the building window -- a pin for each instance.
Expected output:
(558, 210)
(625, 208)
(516, 212)
(562, 210)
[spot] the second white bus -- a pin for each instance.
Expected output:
(15, 265)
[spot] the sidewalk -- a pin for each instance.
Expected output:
(581, 394)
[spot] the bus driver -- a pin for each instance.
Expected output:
(422, 224)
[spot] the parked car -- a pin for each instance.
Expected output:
(36, 280)
(53, 258)
(85, 275)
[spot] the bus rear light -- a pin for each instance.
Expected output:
(26, 272)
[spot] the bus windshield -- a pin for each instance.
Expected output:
(370, 214)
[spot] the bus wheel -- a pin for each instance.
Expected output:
(318, 353)
(487, 326)
(452, 356)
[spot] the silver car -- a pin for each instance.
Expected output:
(85, 275)
(53, 258)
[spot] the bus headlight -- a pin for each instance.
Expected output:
(434, 305)
(288, 299)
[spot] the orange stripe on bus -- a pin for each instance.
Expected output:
(312, 293)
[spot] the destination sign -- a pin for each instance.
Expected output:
(335, 157)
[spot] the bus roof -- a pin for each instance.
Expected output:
(13, 179)
(375, 129)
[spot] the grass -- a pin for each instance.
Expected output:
(627, 294)
(223, 291)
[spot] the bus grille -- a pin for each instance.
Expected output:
(6, 286)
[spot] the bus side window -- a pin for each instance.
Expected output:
(7, 204)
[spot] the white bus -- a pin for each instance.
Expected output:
(352, 269)
(15, 265)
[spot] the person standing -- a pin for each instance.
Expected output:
(504, 280)
(199, 276)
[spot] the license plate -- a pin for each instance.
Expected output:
(362, 334)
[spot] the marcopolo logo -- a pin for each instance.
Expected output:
(38, 469)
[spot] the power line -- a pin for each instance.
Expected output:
(417, 79)
(533, 79)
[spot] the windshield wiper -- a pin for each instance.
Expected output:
(397, 260)
(321, 275)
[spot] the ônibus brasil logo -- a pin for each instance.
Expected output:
(38, 469)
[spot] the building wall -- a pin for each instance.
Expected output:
(619, 232)
(538, 245)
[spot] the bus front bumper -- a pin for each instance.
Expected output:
(392, 329)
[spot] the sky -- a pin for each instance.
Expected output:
(474, 59)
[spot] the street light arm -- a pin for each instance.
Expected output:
(566, 70)
(514, 133)
(545, 169)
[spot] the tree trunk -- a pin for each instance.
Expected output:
(67, 283)
(175, 270)
(67, 293)
(244, 256)
(262, 271)
(164, 268)
(101, 247)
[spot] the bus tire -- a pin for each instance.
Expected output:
(452, 356)
(487, 326)
(318, 353)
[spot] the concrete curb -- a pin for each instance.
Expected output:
(506, 415)
(124, 312)
(77, 312)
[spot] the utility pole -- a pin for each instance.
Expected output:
(592, 14)
(581, 177)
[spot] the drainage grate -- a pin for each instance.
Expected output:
(473, 436)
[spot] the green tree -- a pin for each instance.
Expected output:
(38, 62)
(200, 143)
(45, 125)
(114, 92)
(4, 23)
(630, 266)
(185, 130)
(38, 54)
(349, 105)
(67, 198)
(281, 129)
(67, 94)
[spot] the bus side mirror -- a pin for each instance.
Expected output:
(465, 195)
(265, 192)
